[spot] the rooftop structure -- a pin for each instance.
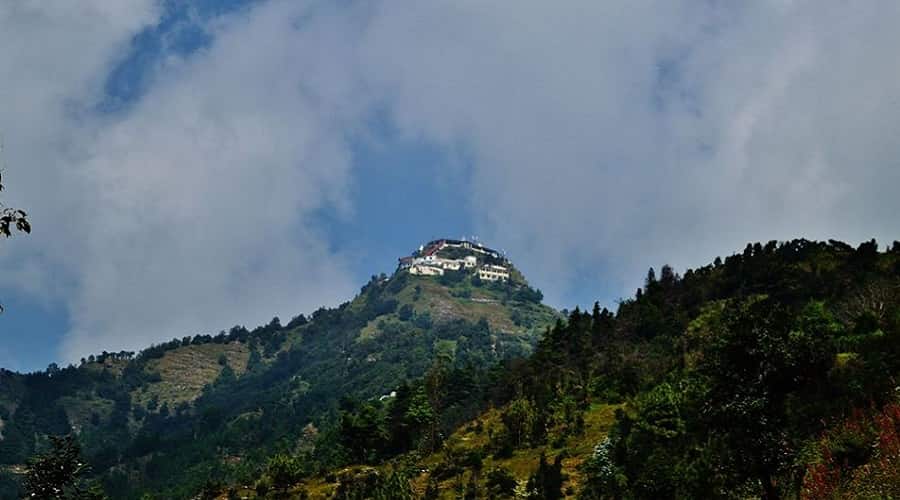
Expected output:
(481, 260)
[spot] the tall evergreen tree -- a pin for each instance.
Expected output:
(61, 474)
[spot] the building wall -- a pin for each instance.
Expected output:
(423, 270)
(427, 263)
(493, 273)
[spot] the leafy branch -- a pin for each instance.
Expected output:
(11, 218)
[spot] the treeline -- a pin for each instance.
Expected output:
(732, 373)
(769, 373)
(307, 386)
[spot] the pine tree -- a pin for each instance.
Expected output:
(546, 482)
(651, 279)
(60, 474)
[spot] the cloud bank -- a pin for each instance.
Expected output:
(599, 139)
(190, 211)
(607, 137)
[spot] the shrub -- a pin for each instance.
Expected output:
(405, 313)
(283, 471)
(859, 459)
(500, 483)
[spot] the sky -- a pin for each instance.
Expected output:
(190, 166)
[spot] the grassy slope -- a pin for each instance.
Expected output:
(598, 421)
(186, 370)
(439, 301)
(474, 436)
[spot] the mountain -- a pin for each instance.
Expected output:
(769, 374)
(213, 407)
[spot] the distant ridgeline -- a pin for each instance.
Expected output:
(206, 410)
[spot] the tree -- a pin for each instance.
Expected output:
(760, 365)
(500, 483)
(283, 471)
(405, 313)
(363, 432)
(650, 282)
(11, 219)
(546, 482)
(520, 419)
(60, 474)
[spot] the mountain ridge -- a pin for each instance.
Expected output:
(125, 405)
(768, 374)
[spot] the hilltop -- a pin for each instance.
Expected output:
(170, 417)
(769, 374)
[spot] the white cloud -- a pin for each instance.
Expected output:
(604, 137)
(192, 209)
(53, 56)
(610, 136)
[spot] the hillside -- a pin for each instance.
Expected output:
(771, 374)
(213, 407)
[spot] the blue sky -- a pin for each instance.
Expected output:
(193, 165)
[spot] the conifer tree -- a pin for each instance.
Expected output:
(59, 474)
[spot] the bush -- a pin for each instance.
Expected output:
(385, 306)
(859, 459)
(398, 282)
(528, 294)
(405, 313)
(500, 483)
(263, 486)
(283, 471)
(423, 320)
(450, 278)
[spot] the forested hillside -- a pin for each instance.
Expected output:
(210, 409)
(771, 374)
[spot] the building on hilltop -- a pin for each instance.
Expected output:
(426, 261)
(491, 272)
(432, 247)
(426, 270)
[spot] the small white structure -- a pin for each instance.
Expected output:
(426, 270)
(490, 272)
(450, 264)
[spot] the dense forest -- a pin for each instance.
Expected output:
(210, 409)
(771, 374)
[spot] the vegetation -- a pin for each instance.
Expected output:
(59, 474)
(204, 412)
(768, 374)
(11, 219)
